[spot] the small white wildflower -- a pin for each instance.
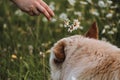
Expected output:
(18, 45)
(104, 39)
(44, 19)
(107, 27)
(48, 51)
(109, 15)
(42, 54)
(110, 32)
(78, 13)
(101, 4)
(72, 26)
(52, 5)
(30, 48)
(4, 25)
(72, 2)
(114, 29)
(53, 20)
(119, 21)
(90, 1)
(61, 25)
(70, 29)
(44, 44)
(66, 23)
(114, 7)
(18, 12)
(21, 58)
(70, 9)
(76, 24)
(94, 12)
(109, 2)
(103, 31)
(81, 27)
(63, 16)
(83, 2)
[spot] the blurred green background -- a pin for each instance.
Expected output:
(25, 41)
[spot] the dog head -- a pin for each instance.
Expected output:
(79, 57)
(59, 47)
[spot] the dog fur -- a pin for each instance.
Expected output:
(85, 58)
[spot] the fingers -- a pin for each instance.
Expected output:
(38, 6)
(44, 11)
(33, 11)
(51, 13)
(44, 8)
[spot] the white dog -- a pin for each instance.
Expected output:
(85, 58)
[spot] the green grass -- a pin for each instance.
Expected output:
(23, 37)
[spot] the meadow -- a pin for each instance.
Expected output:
(25, 41)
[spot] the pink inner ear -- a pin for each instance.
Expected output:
(58, 50)
(93, 31)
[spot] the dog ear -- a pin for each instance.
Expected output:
(93, 31)
(59, 52)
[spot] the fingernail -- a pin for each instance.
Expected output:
(48, 18)
(53, 14)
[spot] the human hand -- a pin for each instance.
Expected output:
(34, 7)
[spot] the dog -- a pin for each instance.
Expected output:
(85, 58)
